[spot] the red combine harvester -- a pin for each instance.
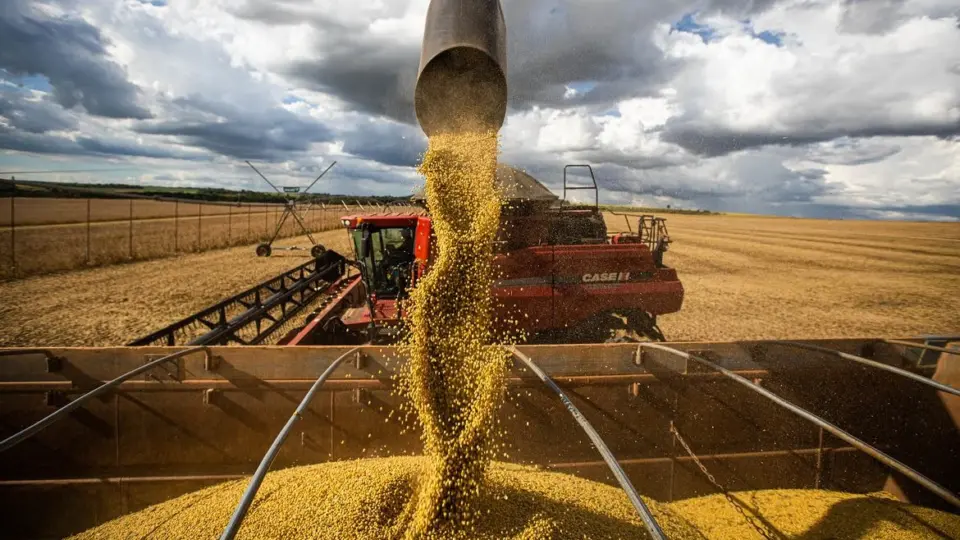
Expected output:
(561, 278)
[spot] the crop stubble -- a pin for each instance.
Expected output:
(116, 304)
(750, 277)
(745, 278)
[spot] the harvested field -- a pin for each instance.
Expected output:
(745, 277)
(53, 235)
(752, 277)
(115, 304)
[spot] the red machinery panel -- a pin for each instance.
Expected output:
(421, 246)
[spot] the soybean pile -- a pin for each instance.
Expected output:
(454, 380)
(368, 499)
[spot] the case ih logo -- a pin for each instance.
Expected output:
(606, 277)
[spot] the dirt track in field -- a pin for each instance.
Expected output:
(116, 304)
(765, 278)
(745, 277)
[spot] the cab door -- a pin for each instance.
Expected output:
(422, 247)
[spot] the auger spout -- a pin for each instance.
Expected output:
(461, 83)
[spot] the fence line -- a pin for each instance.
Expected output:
(45, 235)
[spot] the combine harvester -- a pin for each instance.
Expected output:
(561, 278)
(89, 434)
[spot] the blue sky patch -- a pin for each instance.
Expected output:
(773, 38)
(31, 82)
(688, 24)
(582, 87)
(289, 98)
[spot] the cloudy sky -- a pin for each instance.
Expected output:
(794, 107)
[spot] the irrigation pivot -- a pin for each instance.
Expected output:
(290, 210)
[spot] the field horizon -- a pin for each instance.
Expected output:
(745, 277)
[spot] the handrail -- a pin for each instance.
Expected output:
(46, 421)
(593, 179)
(648, 520)
(873, 452)
(251, 492)
(874, 364)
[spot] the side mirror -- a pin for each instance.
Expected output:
(366, 243)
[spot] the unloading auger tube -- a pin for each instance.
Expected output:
(861, 445)
(461, 82)
(645, 515)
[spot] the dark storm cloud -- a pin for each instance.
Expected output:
(269, 134)
(72, 55)
(375, 75)
(375, 78)
(349, 173)
(131, 149)
(717, 141)
(937, 210)
(33, 116)
(847, 151)
(757, 175)
(551, 43)
(671, 157)
(45, 143)
(388, 143)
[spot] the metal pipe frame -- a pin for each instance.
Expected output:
(921, 346)
(251, 492)
(866, 448)
(379, 383)
(648, 520)
(291, 290)
(62, 412)
(874, 364)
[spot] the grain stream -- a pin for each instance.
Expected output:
(454, 379)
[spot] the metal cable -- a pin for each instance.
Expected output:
(648, 520)
(60, 413)
(251, 492)
(887, 460)
(874, 364)
(754, 521)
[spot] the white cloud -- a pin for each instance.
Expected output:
(844, 110)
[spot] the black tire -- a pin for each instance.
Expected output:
(263, 250)
(317, 250)
(645, 324)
